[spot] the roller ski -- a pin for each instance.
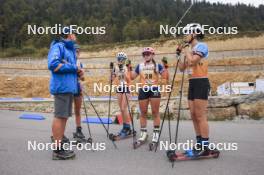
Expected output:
(155, 138)
(63, 154)
(142, 140)
(192, 154)
(80, 138)
(125, 133)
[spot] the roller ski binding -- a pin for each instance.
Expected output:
(80, 138)
(142, 140)
(193, 154)
(123, 134)
(155, 138)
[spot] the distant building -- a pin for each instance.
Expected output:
(236, 88)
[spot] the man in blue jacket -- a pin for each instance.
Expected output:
(63, 84)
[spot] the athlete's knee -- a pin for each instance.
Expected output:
(144, 113)
(123, 110)
(155, 113)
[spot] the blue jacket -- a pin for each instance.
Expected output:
(64, 80)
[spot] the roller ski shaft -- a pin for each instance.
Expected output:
(142, 140)
(79, 139)
(63, 155)
(190, 155)
(139, 143)
(119, 137)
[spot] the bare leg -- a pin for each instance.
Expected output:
(143, 105)
(155, 105)
(195, 122)
(58, 128)
(124, 108)
(77, 110)
(201, 116)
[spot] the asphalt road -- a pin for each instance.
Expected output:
(16, 159)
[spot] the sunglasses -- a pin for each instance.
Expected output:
(120, 59)
(146, 53)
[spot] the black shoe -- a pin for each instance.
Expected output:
(68, 149)
(64, 139)
(62, 155)
(202, 151)
(125, 132)
(78, 135)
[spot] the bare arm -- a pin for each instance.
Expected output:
(192, 60)
(133, 75)
(182, 65)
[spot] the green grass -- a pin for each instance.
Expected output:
(24, 52)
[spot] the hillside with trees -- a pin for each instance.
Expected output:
(125, 20)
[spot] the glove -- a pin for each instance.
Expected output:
(111, 65)
(179, 49)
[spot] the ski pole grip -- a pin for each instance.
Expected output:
(111, 65)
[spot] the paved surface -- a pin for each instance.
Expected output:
(16, 159)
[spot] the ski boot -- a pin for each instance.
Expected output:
(155, 139)
(123, 134)
(79, 136)
(142, 139)
(205, 151)
(63, 154)
(64, 139)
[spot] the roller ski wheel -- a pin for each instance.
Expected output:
(138, 143)
(111, 136)
(63, 155)
(171, 155)
(90, 140)
(215, 153)
(152, 146)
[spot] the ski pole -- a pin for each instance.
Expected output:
(180, 20)
(169, 123)
(179, 109)
(178, 23)
(98, 115)
(88, 125)
(168, 101)
(131, 118)
(110, 97)
(89, 140)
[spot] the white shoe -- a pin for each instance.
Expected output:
(143, 135)
(155, 136)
